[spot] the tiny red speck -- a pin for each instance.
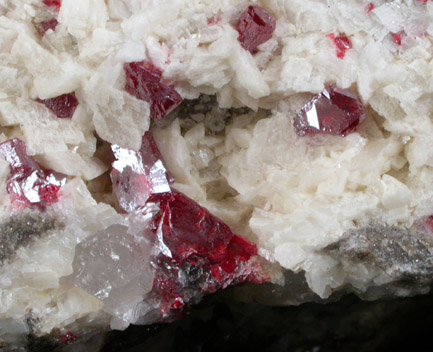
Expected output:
(53, 3)
(68, 338)
(342, 44)
(370, 7)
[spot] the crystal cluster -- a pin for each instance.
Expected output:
(62, 106)
(194, 252)
(255, 27)
(28, 184)
(334, 111)
(144, 81)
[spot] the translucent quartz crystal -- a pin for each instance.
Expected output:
(333, 111)
(137, 175)
(28, 184)
(62, 106)
(255, 27)
(194, 252)
(144, 81)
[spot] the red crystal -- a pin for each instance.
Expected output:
(28, 184)
(68, 338)
(197, 246)
(144, 81)
(136, 175)
(341, 43)
(62, 106)
(370, 7)
(46, 25)
(333, 111)
(194, 252)
(53, 3)
(397, 37)
(255, 27)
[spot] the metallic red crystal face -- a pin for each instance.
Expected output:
(62, 106)
(144, 81)
(341, 43)
(255, 27)
(28, 184)
(53, 3)
(137, 175)
(194, 253)
(199, 254)
(333, 111)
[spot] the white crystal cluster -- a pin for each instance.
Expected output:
(292, 196)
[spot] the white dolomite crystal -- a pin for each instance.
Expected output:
(311, 204)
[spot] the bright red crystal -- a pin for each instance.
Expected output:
(397, 37)
(201, 249)
(137, 175)
(341, 43)
(194, 252)
(333, 111)
(144, 81)
(28, 184)
(53, 3)
(255, 27)
(62, 106)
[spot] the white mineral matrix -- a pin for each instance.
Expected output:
(152, 152)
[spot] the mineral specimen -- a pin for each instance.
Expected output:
(333, 111)
(255, 27)
(144, 81)
(62, 106)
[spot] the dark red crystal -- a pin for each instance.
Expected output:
(197, 246)
(46, 25)
(28, 184)
(255, 27)
(68, 338)
(53, 3)
(341, 43)
(144, 81)
(333, 111)
(369, 7)
(62, 106)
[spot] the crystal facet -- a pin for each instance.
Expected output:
(255, 27)
(28, 184)
(144, 81)
(333, 111)
(62, 106)
(137, 175)
(341, 43)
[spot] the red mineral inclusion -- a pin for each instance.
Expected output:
(68, 338)
(62, 106)
(397, 37)
(195, 252)
(28, 184)
(333, 111)
(341, 43)
(255, 27)
(53, 3)
(46, 25)
(369, 7)
(144, 81)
